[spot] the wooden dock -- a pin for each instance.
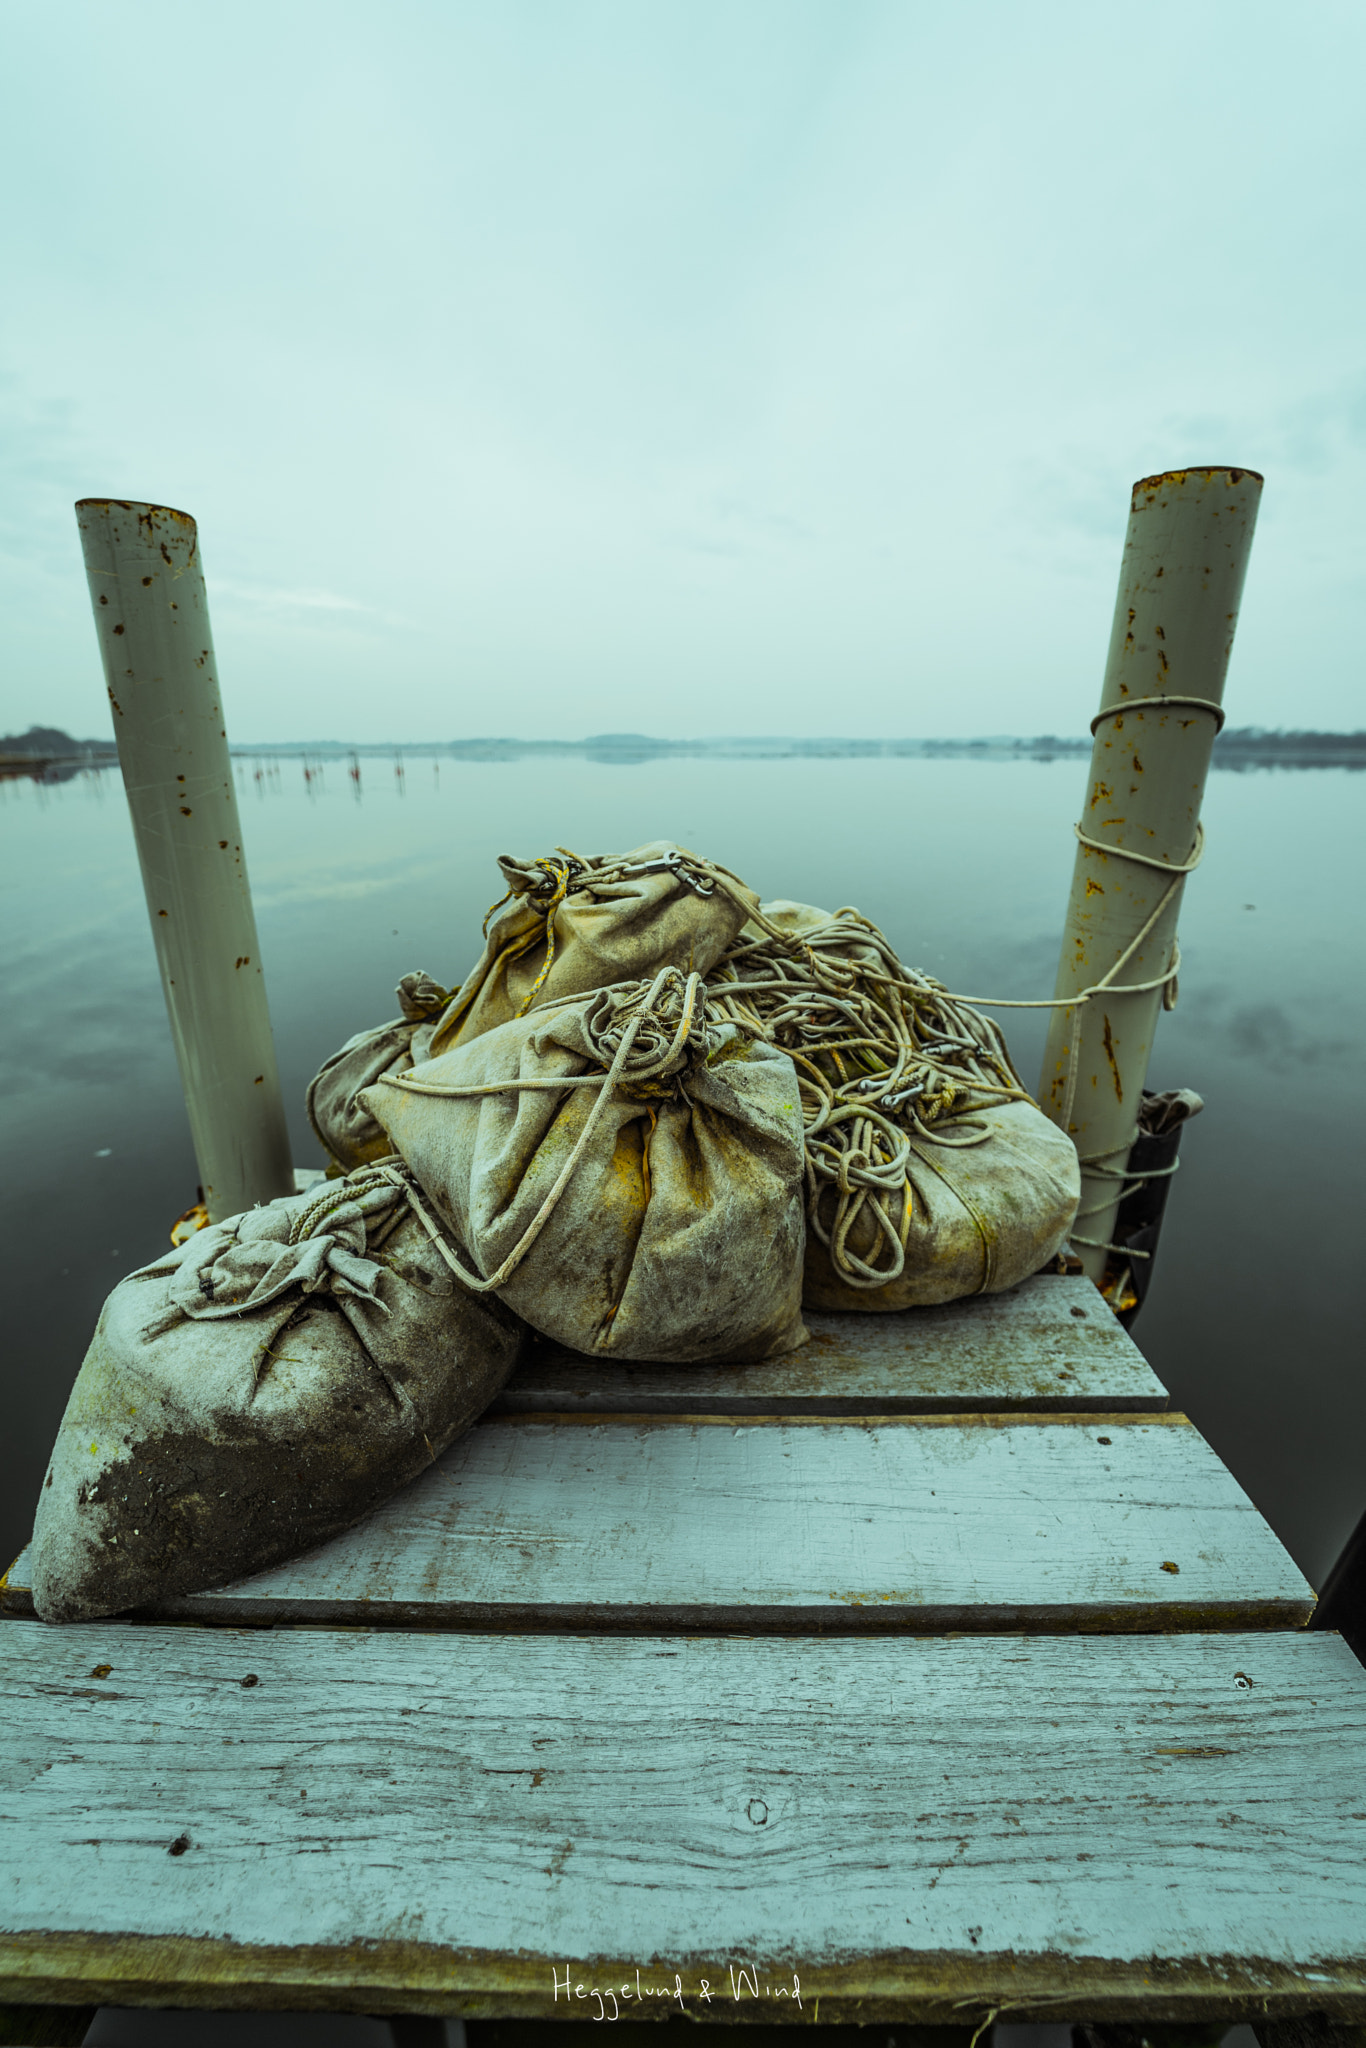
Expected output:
(937, 1672)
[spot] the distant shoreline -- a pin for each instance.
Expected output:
(45, 751)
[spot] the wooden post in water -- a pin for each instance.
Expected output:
(152, 621)
(1180, 582)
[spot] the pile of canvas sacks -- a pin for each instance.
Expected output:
(654, 1119)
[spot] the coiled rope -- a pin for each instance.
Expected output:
(886, 1060)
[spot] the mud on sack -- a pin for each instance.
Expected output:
(348, 1133)
(625, 1172)
(930, 1171)
(569, 924)
(258, 1391)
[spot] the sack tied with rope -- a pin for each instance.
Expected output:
(930, 1172)
(565, 925)
(625, 1172)
(257, 1391)
(348, 1133)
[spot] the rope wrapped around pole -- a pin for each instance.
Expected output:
(1176, 610)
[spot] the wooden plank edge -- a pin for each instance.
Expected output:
(524, 1401)
(770, 1418)
(950, 1987)
(851, 1615)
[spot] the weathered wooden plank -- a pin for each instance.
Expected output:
(1099, 1826)
(981, 1522)
(1049, 1345)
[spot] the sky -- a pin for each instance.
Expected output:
(558, 367)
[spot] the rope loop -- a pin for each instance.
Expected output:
(1160, 704)
(667, 1019)
(1147, 860)
(1167, 981)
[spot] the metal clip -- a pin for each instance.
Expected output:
(889, 1102)
(672, 864)
(902, 1096)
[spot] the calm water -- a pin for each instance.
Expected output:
(1253, 1323)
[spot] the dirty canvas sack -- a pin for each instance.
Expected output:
(568, 925)
(985, 1202)
(348, 1133)
(931, 1173)
(257, 1391)
(626, 1173)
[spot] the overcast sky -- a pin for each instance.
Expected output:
(554, 367)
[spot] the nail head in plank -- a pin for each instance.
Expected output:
(1050, 1344)
(1101, 1826)
(781, 1524)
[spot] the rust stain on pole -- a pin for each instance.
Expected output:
(151, 620)
(1181, 579)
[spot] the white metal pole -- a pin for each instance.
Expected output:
(1180, 583)
(152, 621)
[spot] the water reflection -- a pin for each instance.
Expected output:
(965, 862)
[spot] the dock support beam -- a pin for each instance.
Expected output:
(152, 621)
(1180, 584)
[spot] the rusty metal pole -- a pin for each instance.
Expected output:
(1180, 583)
(152, 621)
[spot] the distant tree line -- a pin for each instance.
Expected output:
(1243, 746)
(49, 743)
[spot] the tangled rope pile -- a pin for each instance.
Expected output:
(886, 1059)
